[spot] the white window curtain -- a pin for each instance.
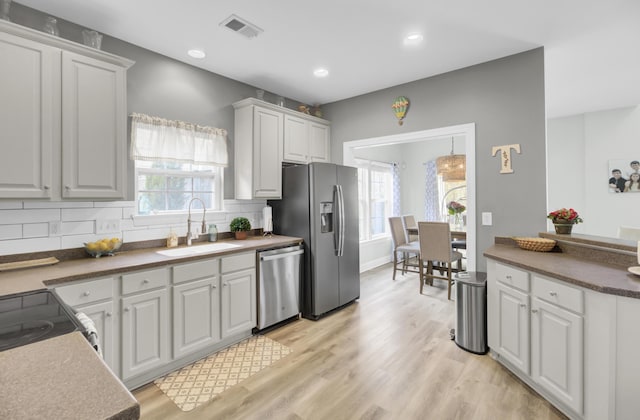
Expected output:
(154, 138)
(431, 205)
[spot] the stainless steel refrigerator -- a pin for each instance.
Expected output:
(320, 204)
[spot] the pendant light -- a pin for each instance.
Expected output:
(452, 167)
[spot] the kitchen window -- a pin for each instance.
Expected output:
(375, 198)
(164, 187)
(175, 162)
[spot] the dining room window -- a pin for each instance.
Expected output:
(375, 198)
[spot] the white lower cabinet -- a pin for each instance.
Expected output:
(557, 352)
(238, 303)
(145, 332)
(512, 338)
(196, 306)
(95, 298)
(102, 315)
(536, 327)
(154, 321)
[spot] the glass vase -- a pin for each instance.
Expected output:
(563, 228)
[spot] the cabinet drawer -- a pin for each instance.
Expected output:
(238, 262)
(144, 280)
(86, 292)
(512, 276)
(558, 294)
(196, 270)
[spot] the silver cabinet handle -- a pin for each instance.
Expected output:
(145, 281)
(553, 293)
(108, 314)
(213, 286)
(86, 293)
(508, 277)
(523, 305)
(535, 311)
(224, 284)
(126, 309)
(46, 187)
(66, 187)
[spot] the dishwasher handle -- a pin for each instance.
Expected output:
(282, 255)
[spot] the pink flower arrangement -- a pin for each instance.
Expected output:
(455, 208)
(565, 216)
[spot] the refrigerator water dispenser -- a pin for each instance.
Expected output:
(326, 217)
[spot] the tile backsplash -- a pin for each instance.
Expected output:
(28, 226)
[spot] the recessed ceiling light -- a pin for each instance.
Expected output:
(413, 38)
(321, 72)
(196, 53)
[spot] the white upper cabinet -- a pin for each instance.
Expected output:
(258, 152)
(267, 135)
(305, 141)
(64, 129)
(93, 127)
(29, 117)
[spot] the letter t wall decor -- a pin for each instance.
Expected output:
(505, 156)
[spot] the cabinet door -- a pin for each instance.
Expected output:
(93, 128)
(238, 302)
(196, 315)
(511, 336)
(557, 352)
(296, 145)
(29, 117)
(102, 316)
(267, 153)
(145, 332)
(319, 141)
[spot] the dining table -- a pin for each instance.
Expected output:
(456, 235)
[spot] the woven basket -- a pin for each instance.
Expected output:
(535, 244)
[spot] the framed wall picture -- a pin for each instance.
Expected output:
(624, 176)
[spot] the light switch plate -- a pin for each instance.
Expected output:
(55, 228)
(107, 226)
(487, 218)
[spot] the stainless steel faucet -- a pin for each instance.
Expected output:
(190, 235)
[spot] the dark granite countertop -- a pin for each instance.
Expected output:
(28, 279)
(590, 274)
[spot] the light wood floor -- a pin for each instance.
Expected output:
(388, 356)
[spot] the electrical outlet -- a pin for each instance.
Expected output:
(55, 228)
(107, 226)
(487, 219)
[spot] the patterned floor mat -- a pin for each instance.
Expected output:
(199, 382)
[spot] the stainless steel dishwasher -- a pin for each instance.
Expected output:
(279, 276)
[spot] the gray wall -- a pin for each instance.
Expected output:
(505, 99)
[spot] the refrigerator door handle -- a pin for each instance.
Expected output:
(341, 225)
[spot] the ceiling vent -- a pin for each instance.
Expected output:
(241, 26)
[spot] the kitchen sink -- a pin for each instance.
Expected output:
(196, 249)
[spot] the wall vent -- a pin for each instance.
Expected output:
(241, 26)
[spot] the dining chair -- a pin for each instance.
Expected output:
(410, 223)
(435, 246)
(400, 245)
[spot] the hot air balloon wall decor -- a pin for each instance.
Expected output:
(400, 107)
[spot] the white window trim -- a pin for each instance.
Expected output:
(383, 167)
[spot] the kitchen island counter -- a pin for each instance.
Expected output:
(61, 378)
(590, 274)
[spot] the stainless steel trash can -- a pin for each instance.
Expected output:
(471, 311)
